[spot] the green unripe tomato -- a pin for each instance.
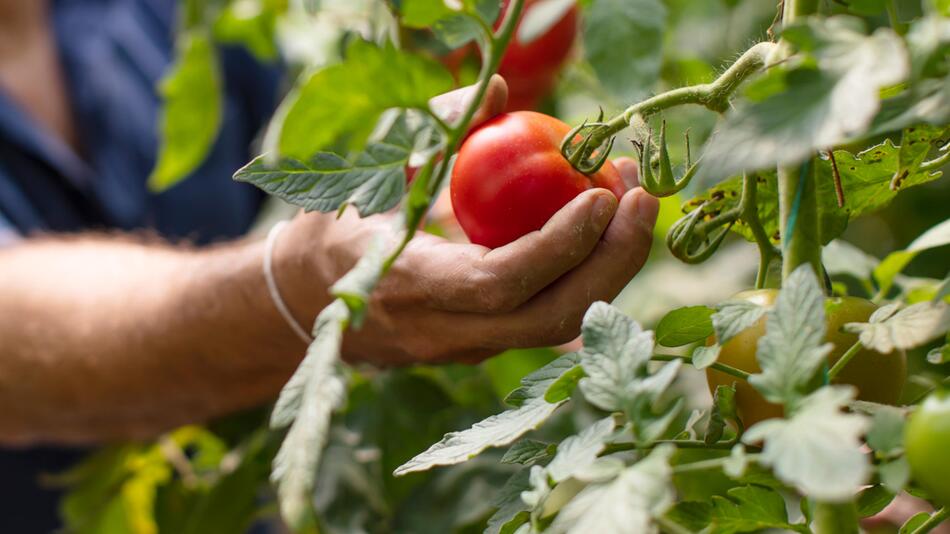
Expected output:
(927, 445)
(878, 377)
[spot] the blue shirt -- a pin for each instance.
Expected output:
(113, 53)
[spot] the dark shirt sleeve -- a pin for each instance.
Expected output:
(8, 235)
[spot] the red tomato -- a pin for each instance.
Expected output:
(510, 177)
(531, 69)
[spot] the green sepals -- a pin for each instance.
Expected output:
(666, 184)
(694, 240)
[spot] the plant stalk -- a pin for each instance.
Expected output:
(714, 95)
(835, 518)
(728, 369)
(798, 196)
(494, 50)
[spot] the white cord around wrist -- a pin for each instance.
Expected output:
(272, 284)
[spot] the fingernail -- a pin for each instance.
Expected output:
(647, 208)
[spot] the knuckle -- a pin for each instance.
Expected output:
(491, 293)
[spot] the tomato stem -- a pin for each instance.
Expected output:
(679, 443)
(728, 369)
(714, 96)
(798, 196)
(836, 518)
(749, 212)
(843, 360)
(705, 465)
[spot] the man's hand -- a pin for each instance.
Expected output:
(108, 336)
(445, 301)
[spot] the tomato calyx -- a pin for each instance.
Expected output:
(694, 238)
(578, 147)
(666, 183)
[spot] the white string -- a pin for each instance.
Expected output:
(272, 284)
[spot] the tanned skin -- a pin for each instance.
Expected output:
(112, 336)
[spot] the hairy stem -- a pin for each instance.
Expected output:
(714, 95)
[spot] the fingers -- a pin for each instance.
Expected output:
(554, 316)
(471, 278)
(450, 106)
(629, 172)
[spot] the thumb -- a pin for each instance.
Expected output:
(450, 106)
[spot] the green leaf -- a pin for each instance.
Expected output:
(895, 474)
(866, 180)
(115, 490)
(683, 326)
(704, 356)
(748, 509)
(910, 327)
(873, 499)
(616, 351)
(512, 511)
(374, 183)
(344, 101)
(818, 449)
(424, 13)
(628, 504)
(251, 23)
(191, 114)
(500, 429)
(840, 257)
(820, 104)
(577, 453)
(895, 262)
(886, 434)
(691, 515)
(623, 41)
(866, 7)
(792, 349)
(927, 101)
(916, 144)
(529, 451)
(232, 503)
(306, 404)
(538, 382)
(735, 316)
(563, 387)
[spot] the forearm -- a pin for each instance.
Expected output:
(107, 338)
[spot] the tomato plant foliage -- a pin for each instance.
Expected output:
(834, 111)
